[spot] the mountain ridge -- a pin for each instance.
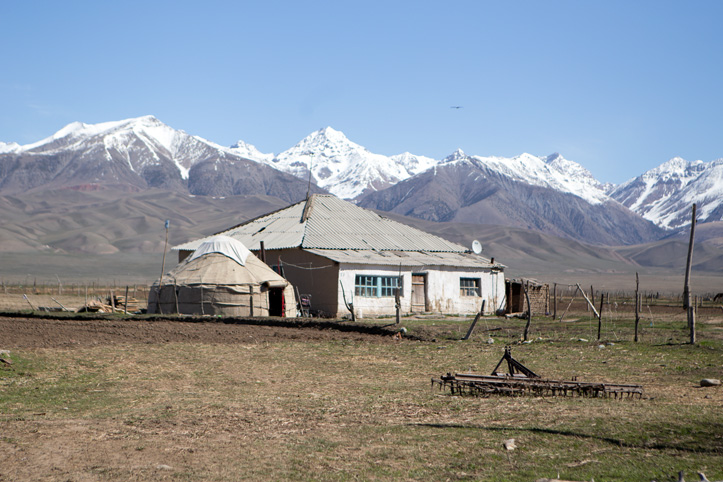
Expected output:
(142, 153)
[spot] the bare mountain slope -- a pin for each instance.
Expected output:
(469, 190)
(107, 222)
(108, 235)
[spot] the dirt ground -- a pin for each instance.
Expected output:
(25, 333)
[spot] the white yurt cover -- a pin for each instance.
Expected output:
(224, 245)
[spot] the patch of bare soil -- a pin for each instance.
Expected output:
(57, 333)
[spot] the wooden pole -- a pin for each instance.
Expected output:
(529, 309)
(349, 306)
(163, 268)
(398, 306)
(569, 304)
(251, 301)
(554, 301)
(686, 287)
(398, 296)
(637, 305)
(691, 323)
(125, 307)
(599, 316)
(263, 254)
(203, 311)
(474, 323)
(588, 300)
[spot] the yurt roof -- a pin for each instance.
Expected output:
(223, 262)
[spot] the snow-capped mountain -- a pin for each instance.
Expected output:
(548, 194)
(666, 193)
(339, 165)
(553, 171)
(136, 154)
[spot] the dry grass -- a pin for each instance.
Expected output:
(348, 409)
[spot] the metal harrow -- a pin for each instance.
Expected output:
(522, 381)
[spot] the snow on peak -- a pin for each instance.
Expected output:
(7, 147)
(139, 141)
(343, 167)
(457, 155)
(249, 151)
(554, 172)
(665, 193)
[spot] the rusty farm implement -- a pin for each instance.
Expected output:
(520, 380)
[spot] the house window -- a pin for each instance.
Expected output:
(365, 285)
(390, 285)
(469, 287)
(376, 286)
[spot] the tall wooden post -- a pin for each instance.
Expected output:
(163, 268)
(691, 322)
(554, 301)
(599, 316)
(398, 306)
(686, 287)
(637, 305)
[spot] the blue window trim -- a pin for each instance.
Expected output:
(375, 286)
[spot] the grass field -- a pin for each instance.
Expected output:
(229, 402)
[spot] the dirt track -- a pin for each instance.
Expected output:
(55, 333)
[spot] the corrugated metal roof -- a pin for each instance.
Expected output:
(329, 223)
(409, 258)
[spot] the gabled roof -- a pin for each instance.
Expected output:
(325, 225)
(327, 222)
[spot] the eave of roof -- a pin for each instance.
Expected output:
(406, 258)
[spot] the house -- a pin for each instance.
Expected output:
(335, 253)
(221, 277)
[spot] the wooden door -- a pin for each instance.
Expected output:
(419, 293)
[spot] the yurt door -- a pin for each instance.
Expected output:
(276, 302)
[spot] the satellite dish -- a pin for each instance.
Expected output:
(476, 247)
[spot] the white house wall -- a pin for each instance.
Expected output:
(442, 290)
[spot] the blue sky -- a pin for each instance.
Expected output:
(618, 86)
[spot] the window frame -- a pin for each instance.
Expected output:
(377, 286)
(470, 287)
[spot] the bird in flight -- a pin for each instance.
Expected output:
(455, 107)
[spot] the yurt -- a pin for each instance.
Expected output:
(223, 278)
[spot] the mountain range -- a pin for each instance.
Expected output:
(138, 154)
(549, 194)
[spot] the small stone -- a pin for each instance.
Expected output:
(164, 467)
(709, 382)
